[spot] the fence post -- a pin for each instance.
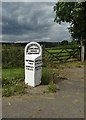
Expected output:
(82, 52)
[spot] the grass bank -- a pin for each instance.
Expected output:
(13, 80)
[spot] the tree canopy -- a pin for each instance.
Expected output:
(75, 14)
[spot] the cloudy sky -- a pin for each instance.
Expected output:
(26, 21)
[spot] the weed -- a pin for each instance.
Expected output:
(45, 76)
(8, 91)
(52, 87)
(19, 89)
(49, 74)
(12, 82)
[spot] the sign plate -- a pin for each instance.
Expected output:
(33, 49)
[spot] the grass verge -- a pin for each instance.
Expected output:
(13, 82)
(13, 78)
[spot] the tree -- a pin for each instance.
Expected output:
(64, 42)
(75, 14)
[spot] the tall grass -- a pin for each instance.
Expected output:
(13, 81)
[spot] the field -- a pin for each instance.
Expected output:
(13, 69)
(57, 50)
(62, 54)
(62, 86)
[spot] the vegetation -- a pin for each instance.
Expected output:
(13, 70)
(52, 87)
(74, 13)
(49, 74)
(12, 56)
(13, 81)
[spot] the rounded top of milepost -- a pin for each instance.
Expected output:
(33, 48)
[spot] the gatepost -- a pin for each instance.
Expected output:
(33, 64)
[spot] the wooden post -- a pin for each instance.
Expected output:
(82, 51)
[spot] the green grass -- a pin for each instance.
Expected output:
(62, 55)
(12, 73)
(13, 81)
(57, 50)
(49, 74)
(45, 76)
(13, 78)
(52, 88)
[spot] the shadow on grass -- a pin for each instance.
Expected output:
(45, 77)
(51, 75)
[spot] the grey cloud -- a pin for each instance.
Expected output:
(31, 21)
(30, 0)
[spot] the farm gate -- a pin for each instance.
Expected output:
(62, 54)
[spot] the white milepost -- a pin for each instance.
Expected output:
(33, 64)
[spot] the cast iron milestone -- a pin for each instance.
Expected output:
(33, 64)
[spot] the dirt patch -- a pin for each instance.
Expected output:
(73, 73)
(68, 78)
